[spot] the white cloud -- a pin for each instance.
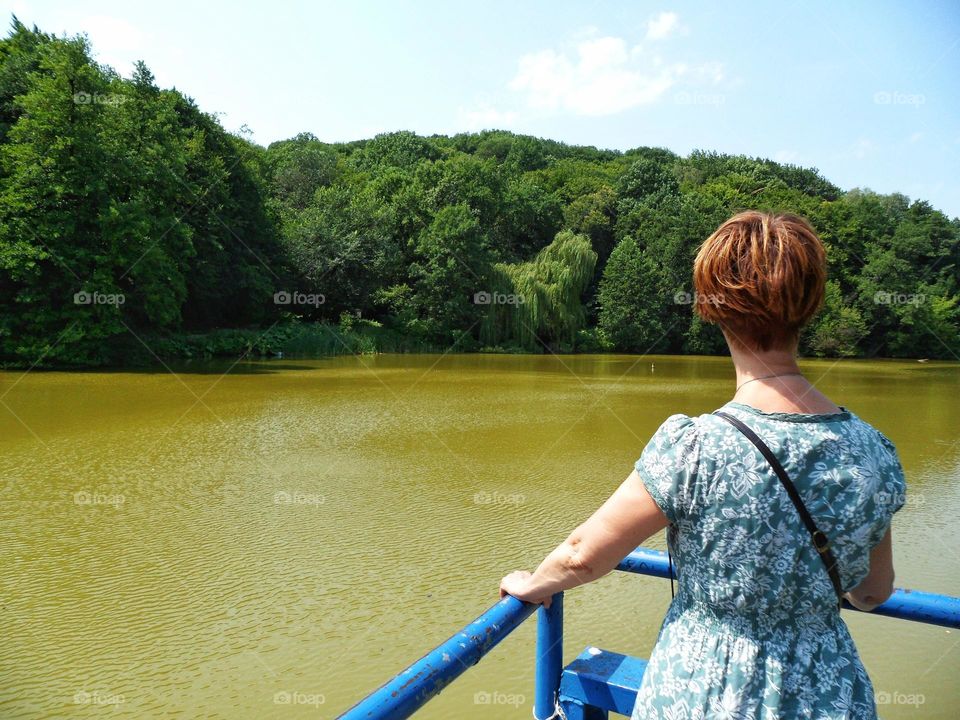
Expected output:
(115, 41)
(662, 25)
(915, 138)
(486, 117)
(22, 11)
(601, 76)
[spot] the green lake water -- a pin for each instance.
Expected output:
(277, 541)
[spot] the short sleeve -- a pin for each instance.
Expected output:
(669, 463)
(893, 496)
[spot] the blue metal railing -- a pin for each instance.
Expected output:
(549, 657)
(406, 693)
(913, 605)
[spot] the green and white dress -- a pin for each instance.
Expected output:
(754, 630)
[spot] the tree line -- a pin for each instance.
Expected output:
(133, 226)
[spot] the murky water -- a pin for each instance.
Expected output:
(277, 541)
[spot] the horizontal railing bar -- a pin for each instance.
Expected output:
(406, 693)
(915, 605)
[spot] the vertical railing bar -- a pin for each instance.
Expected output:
(549, 658)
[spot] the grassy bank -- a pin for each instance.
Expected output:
(287, 339)
(295, 338)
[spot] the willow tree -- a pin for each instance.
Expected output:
(539, 302)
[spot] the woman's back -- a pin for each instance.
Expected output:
(754, 630)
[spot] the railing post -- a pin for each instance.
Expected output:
(549, 658)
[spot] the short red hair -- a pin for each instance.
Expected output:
(761, 278)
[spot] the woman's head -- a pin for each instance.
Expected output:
(761, 278)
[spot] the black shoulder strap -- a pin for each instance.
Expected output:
(820, 541)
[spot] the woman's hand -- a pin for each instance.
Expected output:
(517, 584)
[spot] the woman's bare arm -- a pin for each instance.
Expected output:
(596, 547)
(877, 586)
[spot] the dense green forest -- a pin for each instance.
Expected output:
(134, 227)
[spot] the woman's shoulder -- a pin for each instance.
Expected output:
(677, 434)
(872, 435)
(886, 442)
(689, 430)
(678, 424)
(684, 429)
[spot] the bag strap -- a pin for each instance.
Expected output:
(820, 541)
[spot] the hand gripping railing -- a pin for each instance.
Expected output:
(407, 692)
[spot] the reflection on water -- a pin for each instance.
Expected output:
(280, 540)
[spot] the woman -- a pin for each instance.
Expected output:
(754, 630)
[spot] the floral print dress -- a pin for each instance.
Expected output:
(754, 630)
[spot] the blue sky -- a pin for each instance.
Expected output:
(865, 91)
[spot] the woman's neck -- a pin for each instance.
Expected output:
(771, 381)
